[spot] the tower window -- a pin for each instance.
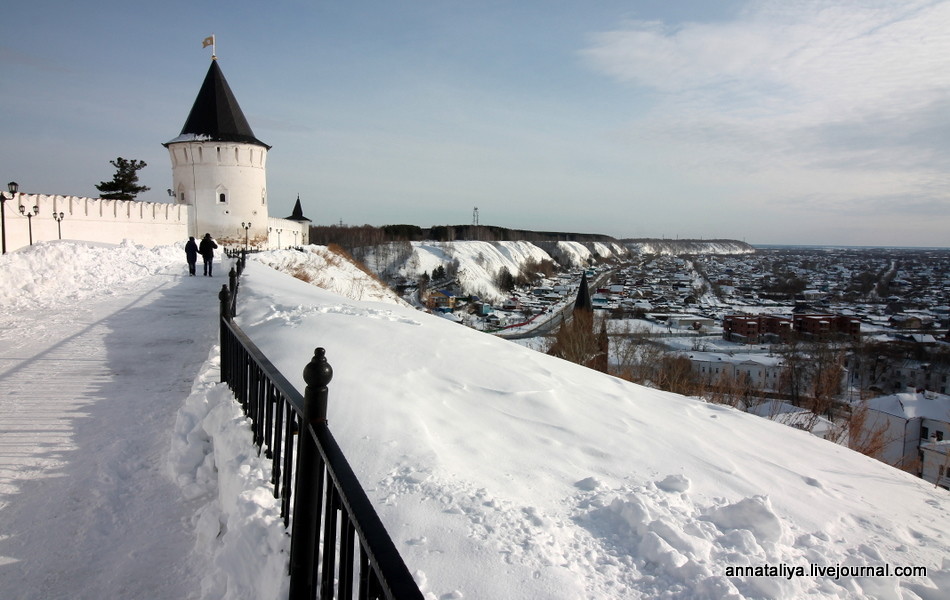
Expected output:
(222, 198)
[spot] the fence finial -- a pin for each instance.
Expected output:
(317, 374)
(318, 371)
(225, 297)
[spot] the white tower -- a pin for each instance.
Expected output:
(218, 167)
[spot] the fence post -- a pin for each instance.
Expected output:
(225, 297)
(307, 505)
(223, 338)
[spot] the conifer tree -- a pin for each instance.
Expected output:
(124, 184)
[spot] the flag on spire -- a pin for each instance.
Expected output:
(209, 41)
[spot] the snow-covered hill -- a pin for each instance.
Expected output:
(476, 264)
(678, 247)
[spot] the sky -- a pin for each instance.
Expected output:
(558, 481)
(771, 122)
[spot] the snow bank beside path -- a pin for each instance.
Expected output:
(52, 274)
(237, 519)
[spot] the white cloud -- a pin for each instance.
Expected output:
(855, 88)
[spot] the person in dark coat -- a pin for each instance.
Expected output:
(206, 248)
(191, 253)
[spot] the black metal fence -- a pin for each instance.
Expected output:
(338, 544)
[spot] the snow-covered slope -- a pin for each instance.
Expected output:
(505, 473)
(677, 247)
(478, 263)
(329, 270)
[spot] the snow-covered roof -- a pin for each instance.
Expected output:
(737, 358)
(913, 406)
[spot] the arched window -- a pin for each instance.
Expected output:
(222, 198)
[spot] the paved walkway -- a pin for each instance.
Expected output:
(88, 397)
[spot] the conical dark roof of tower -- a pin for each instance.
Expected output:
(216, 115)
(583, 301)
(298, 212)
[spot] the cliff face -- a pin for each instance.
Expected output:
(677, 247)
(475, 265)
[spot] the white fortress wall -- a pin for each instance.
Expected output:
(94, 220)
(281, 233)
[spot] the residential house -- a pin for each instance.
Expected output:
(907, 421)
(443, 300)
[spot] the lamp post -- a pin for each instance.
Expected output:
(58, 217)
(29, 218)
(13, 187)
(246, 226)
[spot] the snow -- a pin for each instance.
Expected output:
(477, 263)
(912, 405)
(499, 472)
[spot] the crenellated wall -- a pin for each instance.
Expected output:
(111, 221)
(93, 220)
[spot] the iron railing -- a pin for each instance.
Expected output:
(338, 545)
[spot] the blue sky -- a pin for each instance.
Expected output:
(798, 122)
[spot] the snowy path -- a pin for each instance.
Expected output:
(88, 395)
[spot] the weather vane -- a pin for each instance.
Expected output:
(209, 41)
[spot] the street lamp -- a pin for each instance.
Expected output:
(58, 217)
(29, 218)
(271, 229)
(13, 187)
(246, 226)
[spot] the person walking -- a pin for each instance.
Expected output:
(191, 253)
(206, 249)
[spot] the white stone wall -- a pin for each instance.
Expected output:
(936, 464)
(94, 220)
(901, 437)
(281, 233)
